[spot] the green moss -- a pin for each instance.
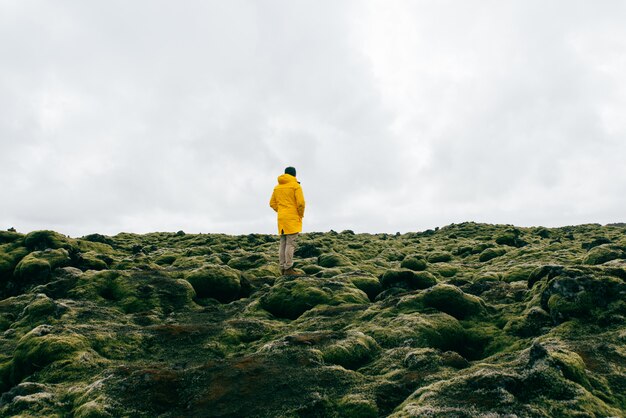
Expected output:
(408, 351)
(369, 284)
(166, 259)
(218, 282)
(533, 322)
(444, 269)
(357, 406)
(38, 349)
(10, 255)
(438, 330)
(451, 300)
(41, 240)
(490, 254)
(92, 409)
(291, 298)
(439, 257)
(332, 260)
(413, 262)
(91, 261)
(33, 269)
(311, 269)
(194, 262)
(407, 279)
(602, 254)
(352, 352)
(37, 266)
(518, 273)
(248, 261)
(511, 238)
(9, 237)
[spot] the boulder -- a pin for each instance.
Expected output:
(490, 254)
(439, 257)
(290, 298)
(332, 260)
(219, 282)
(603, 253)
(407, 279)
(413, 262)
(451, 300)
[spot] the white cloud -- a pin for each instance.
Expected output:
(399, 116)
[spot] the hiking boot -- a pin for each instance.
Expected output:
(290, 272)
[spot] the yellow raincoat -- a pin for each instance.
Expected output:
(288, 200)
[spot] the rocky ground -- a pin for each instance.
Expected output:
(469, 320)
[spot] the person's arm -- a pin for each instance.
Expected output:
(273, 202)
(300, 201)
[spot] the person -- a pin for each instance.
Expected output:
(288, 201)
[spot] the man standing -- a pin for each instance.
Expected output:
(288, 200)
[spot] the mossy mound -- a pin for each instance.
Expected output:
(219, 282)
(291, 298)
(41, 347)
(351, 352)
(439, 257)
(511, 238)
(603, 253)
(134, 292)
(490, 254)
(368, 284)
(42, 240)
(444, 269)
(407, 279)
(437, 330)
(36, 267)
(248, 261)
(9, 237)
(91, 260)
(413, 262)
(112, 326)
(451, 300)
(574, 294)
(332, 260)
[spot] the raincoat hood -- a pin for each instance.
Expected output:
(286, 178)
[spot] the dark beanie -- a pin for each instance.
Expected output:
(290, 170)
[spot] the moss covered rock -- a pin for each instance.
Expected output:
(369, 284)
(42, 240)
(41, 347)
(511, 238)
(439, 257)
(437, 330)
(603, 253)
(444, 269)
(248, 261)
(37, 266)
(291, 298)
(357, 406)
(10, 256)
(407, 279)
(332, 260)
(413, 262)
(574, 294)
(491, 253)
(91, 260)
(219, 282)
(451, 300)
(352, 352)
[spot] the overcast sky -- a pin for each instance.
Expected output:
(152, 115)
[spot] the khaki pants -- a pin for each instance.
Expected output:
(287, 247)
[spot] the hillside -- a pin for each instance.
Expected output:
(470, 320)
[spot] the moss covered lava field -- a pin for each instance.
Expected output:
(469, 320)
